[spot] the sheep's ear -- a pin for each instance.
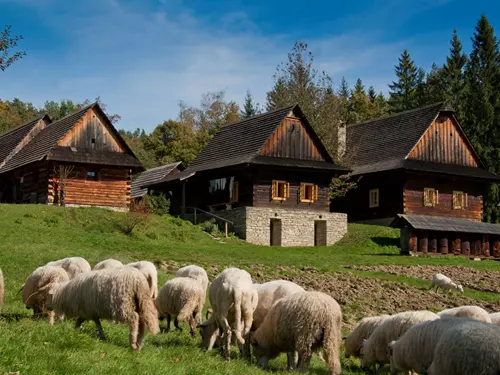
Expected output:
(209, 312)
(204, 324)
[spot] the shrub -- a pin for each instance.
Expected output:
(127, 222)
(157, 204)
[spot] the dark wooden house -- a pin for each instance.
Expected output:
(79, 160)
(269, 175)
(151, 176)
(414, 165)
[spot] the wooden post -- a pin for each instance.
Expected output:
(195, 210)
(486, 246)
(456, 245)
(226, 229)
(496, 248)
(433, 244)
(443, 244)
(183, 199)
(476, 247)
(413, 242)
(423, 243)
(465, 247)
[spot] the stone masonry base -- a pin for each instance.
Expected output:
(253, 225)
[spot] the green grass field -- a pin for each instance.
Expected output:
(32, 235)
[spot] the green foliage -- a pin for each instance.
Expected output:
(7, 44)
(341, 185)
(250, 108)
(157, 204)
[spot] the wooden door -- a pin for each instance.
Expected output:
(275, 232)
(320, 233)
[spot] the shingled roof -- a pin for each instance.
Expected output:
(151, 176)
(445, 224)
(384, 143)
(44, 144)
(240, 143)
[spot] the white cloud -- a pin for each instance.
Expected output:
(143, 62)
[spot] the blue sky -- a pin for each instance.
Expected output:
(142, 57)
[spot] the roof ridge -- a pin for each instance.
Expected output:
(38, 118)
(259, 115)
(86, 108)
(441, 103)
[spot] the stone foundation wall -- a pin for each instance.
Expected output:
(253, 225)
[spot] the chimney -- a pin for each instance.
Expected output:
(341, 140)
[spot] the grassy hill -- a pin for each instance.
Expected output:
(364, 272)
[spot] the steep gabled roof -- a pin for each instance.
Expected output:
(151, 176)
(44, 144)
(240, 143)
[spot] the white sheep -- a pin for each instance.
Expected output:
(195, 272)
(374, 349)
(74, 266)
(118, 294)
(232, 288)
(2, 289)
(469, 348)
(183, 299)
(149, 270)
(362, 331)
(414, 351)
(445, 283)
(495, 318)
(301, 322)
(108, 263)
(473, 312)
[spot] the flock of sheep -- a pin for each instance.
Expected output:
(266, 319)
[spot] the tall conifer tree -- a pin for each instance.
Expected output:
(403, 94)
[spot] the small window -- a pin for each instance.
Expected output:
(308, 192)
(460, 200)
(374, 198)
(91, 176)
(280, 190)
(431, 197)
(234, 192)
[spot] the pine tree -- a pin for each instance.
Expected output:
(403, 94)
(453, 72)
(343, 88)
(359, 107)
(372, 94)
(250, 108)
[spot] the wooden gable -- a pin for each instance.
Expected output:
(93, 133)
(292, 139)
(445, 142)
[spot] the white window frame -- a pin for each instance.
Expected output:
(373, 203)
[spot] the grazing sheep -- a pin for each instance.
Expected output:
(469, 348)
(182, 298)
(194, 272)
(2, 289)
(374, 349)
(473, 312)
(361, 332)
(495, 318)
(302, 322)
(74, 266)
(119, 294)
(444, 282)
(149, 270)
(414, 351)
(108, 263)
(231, 288)
(36, 289)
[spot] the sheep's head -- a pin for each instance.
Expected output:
(390, 348)
(259, 352)
(460, 288)
(209, 333)
(367, 359)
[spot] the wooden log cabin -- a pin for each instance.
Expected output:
(79, 160)
(419, 172)
(268, 175)
(151, 176)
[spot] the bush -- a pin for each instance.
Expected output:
(127, 222)
(157, 204)
(211, 227)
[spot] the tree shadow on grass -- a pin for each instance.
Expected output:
(386, 241)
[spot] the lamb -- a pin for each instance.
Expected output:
(74, 266)
(374, 349)
(36, 289)
(302, 322)
(473, 312)
(414, 351)
(232, 288)
(441, 281)
(468, 348)
(182, 298)
(108, 263)
(2, 290)
(361, 332)
(149, 270)
(495, 318)
(119, 294)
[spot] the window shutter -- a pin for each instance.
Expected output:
(287, 190)
(274, 189)
(437, 196)
(315, 189)
(235, 191)
(466, 200)
(302, 192)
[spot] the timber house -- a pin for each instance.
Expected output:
(269, 175)
(79, 160)
(419, 172)
(150, 176)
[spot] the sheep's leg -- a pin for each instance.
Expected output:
(52, 316)
(100, 331)
(140, 334)
(226, 339)
(291, 364)
(304, 360)
(79, 322)
(134, 330)
(176, 324)
(192, 326)
(169, 319)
